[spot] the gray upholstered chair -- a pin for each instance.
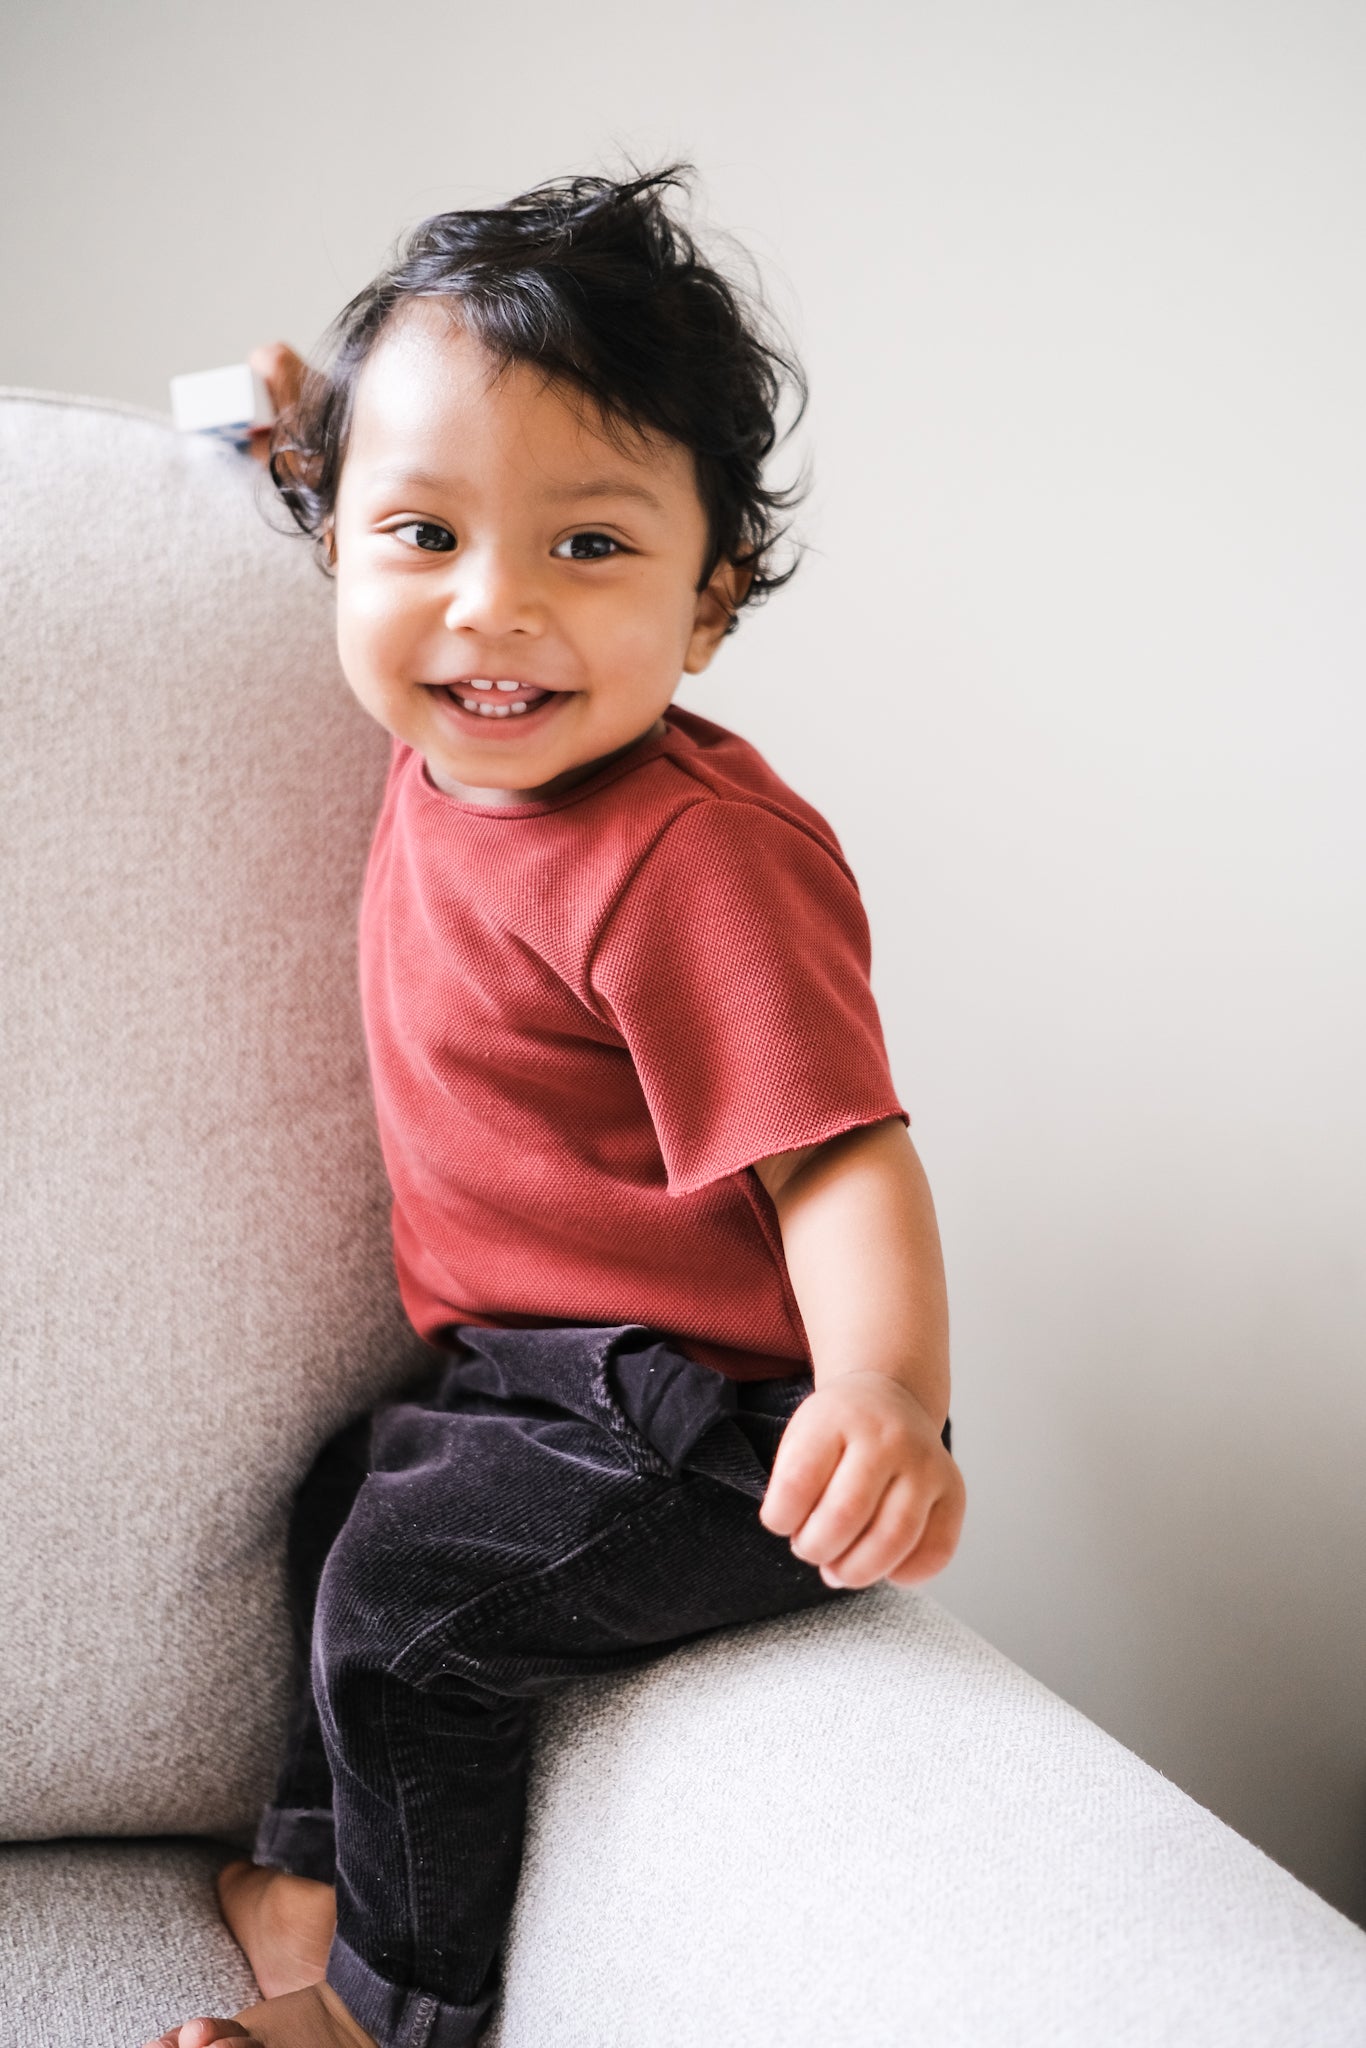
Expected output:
(861, 1827)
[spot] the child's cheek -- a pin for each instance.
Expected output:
(366, 597)
(651, 650)
(374, 626)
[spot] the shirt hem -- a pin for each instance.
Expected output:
(819, 1134)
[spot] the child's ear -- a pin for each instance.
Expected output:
(717, 603)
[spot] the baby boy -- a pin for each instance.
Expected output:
(656, 1210)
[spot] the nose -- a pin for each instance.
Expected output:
(493, 594)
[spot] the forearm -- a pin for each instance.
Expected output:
(862, 1249)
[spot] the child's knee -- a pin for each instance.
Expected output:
(399, 1571)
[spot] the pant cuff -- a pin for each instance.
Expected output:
(298, 1839)
(398, 2016)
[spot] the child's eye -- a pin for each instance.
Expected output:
(586, 547)
(426, 534)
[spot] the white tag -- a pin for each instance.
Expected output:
(228, 402)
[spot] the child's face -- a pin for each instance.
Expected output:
(487, 533)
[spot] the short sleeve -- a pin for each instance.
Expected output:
(735, 966)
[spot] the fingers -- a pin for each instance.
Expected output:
(281, 369)
(852, 1505)
(866, 1525)
(940, 1538)
(824, 1491)
(863, 1490)
(808, 1453)
(907, 1541)
(892, 1531)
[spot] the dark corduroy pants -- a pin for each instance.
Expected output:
(545, 1504)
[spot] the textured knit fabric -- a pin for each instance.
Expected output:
(110, 1942)
(929, 1845)
(196, 1278)
(588, 1016)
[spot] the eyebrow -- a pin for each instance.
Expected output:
(603, 487)
(423, 478)
(608, 487)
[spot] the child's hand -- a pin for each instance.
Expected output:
(282, 371)
(863, 1485)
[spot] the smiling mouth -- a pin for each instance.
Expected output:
(489, 701)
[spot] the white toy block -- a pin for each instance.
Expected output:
(227, 403)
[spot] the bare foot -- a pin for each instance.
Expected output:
(282, 1924)
(312, 2018)
(198, 2034)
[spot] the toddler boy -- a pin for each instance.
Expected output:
(655, 1207)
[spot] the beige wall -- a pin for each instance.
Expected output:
(1076, 669)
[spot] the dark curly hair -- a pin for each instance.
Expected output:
(592, 280)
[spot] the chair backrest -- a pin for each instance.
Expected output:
(860, 1823)
(196, 1284)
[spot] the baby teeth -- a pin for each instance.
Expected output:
(507, 686)
(478, 683)
(487, 710)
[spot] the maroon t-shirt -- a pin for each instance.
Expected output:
(587, 1017)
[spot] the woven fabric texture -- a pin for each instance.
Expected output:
(197, 1280)
(103, 1944)
(864, 1826)
(861, 1827)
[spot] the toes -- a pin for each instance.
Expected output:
(199, 2033)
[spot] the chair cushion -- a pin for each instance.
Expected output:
(109, 1942)
(197, 1281)
(866, 1826)
(860, 1825)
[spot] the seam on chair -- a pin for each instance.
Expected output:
(22, 393)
